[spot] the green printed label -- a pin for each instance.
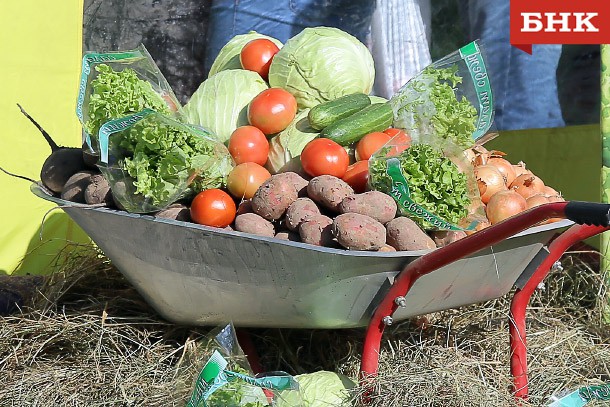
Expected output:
(400, 192)
(88, 60)
(117, 125)
(478, 72)
(210, 379)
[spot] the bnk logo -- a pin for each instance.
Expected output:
(559, 22)
(563, 22)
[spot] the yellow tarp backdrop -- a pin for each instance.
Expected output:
(41, 49)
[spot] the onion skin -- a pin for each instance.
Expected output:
(548, 192)
(506, 169)
(527, 185)
(503, 205)
(520, 169)
(489, 180)
(536, 200)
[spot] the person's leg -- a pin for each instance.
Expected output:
(524, 86)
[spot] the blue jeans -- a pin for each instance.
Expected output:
(524, 86)
(283, 19)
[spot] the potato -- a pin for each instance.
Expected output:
(98, 191)
(299, 210)
(375, 204)
(355, 231)
(386, 248)
(74, 189)
(288, 235)
(244, 206)
(255, 224)
(316, 230)
(444, 237)
(273, 197)
(295, 179)
(328, 191)
(175, 212)
(404, 234)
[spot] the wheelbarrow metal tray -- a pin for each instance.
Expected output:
(193, 274)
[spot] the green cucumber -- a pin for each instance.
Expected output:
(375, 117)
(327, 113)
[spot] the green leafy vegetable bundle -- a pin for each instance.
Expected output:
(115, 94)
(160, 158)
(434, 182)
(429, 104)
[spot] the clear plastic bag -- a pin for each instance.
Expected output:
(433, 183)
(150, 160)
(450, 99)
(117, 84)
(227, 380)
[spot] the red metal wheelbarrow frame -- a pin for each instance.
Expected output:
(582, 213)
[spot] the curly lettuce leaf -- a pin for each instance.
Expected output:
(429, 105)
(115, 94)
(435, 182)
(163, 158)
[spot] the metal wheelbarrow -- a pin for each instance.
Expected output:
(197, 275)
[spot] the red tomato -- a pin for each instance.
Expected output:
(272, 110)
(249, 144)
(257, 56)
(244, 180)
(213, 207)
(369, 144)
(323, 156)
(357, 176)
(401, 140)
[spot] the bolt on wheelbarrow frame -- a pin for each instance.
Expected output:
(582, 213)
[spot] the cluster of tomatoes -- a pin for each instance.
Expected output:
(270, 112)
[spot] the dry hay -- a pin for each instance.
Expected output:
(90, 339)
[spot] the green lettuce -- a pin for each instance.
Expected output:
(220, 104)
(319, 389)
(321, 64)
(115, 94)
(163, 157)
(428, 106)
(435, 182)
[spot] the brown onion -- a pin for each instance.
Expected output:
(504, 204)
(489, 180)
(536, 200)
(505, 167)
(548, 191)
(520, 169)
(527, 185)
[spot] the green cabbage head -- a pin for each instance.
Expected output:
(319, 389)
(321, 64)
(220, 104)
(228, 57)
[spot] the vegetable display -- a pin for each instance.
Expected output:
(285, 141)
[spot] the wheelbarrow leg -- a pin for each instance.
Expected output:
(518, 344)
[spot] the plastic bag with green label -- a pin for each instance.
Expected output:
(117, 84)
(226, 379)
(151, 160)
(451, 99)
(432, 183)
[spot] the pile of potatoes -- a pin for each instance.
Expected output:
(325, 211)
